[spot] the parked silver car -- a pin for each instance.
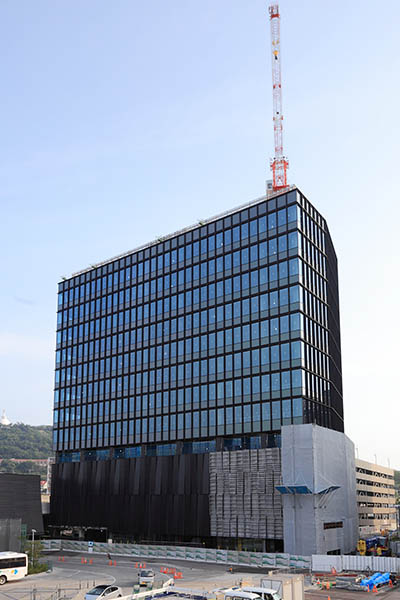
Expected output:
(104, 591)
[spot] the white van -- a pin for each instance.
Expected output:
(239, 594)
(264, 593)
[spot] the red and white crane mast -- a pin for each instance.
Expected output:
(279, 163)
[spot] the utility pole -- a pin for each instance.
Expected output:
(33, 544)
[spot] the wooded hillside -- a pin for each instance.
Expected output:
(25, 441)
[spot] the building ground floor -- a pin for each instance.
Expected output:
(296, 495)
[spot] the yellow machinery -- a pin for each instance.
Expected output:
(362, 547)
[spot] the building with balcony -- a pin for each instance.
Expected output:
(376, 497)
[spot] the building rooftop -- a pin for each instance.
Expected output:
(163, 238)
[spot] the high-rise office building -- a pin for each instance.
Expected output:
(180, 364)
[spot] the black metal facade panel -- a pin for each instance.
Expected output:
(20, 499)
(335, 354)
(148, 497)
(10, 535)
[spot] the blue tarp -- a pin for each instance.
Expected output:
(375, 579)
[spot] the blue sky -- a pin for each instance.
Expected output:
(127, 120)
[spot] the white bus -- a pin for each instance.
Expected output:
(13, 565)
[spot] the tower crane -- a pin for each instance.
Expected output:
(279, 164)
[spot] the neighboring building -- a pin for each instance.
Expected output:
(376, 497)
(20, 499)
(45, 487)
(11, 533)
(179, 367)
(50, 463)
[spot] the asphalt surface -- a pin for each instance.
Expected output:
(72, 578)
(125, 571)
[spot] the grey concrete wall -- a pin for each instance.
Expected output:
(318, 458)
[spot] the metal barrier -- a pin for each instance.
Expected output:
(227, 557)
(316, 563)
(325, 563)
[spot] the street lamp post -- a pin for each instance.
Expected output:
(33, 544)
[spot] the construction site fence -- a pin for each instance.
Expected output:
(327, 562)
(317, 563)
(228, 557)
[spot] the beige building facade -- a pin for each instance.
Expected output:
(375, 497)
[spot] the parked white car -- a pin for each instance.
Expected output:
(104, 591)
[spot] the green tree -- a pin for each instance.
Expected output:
(7, 466)
(25, 441)
(35, 558)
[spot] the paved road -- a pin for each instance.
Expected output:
(125, 570)
(70, 574)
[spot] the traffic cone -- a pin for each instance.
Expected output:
(178, 575)
(115, 563)
(375, 589)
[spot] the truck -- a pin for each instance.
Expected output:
(288, 587)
